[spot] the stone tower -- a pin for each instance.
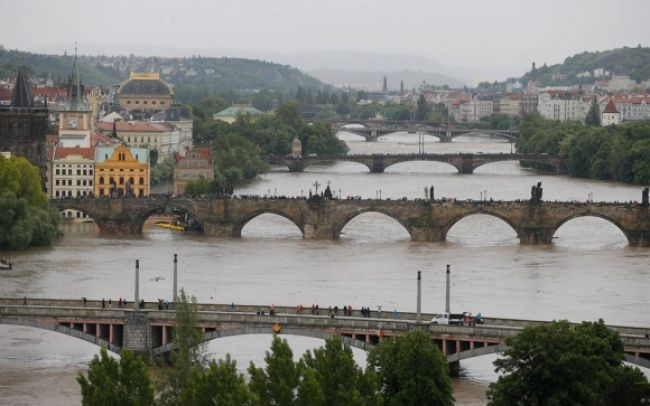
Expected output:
(23, 125)
(296, 148)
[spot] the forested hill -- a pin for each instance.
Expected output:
(212, 75)
(632, 61)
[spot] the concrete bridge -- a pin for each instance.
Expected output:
(322, 219)
(149, 331)
(377, 163)
(371, 130)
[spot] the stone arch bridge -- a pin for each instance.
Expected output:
(534, 223)
(377, 163)
(371, 130)
(149, 331)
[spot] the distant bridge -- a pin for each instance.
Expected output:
(148, 331)
(377, 163)
(323, 219)
(371, 130)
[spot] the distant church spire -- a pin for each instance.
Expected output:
(22, 96)
(75, 87)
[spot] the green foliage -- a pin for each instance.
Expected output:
(162, 171)
(187, 351)
(110, 382)
(422, 111)
(219, 384)
(619, 153)
(277, 383)
(562, 364)
(200, 187)
(593, 115)
(411, 370)
(25, 215)
(500, 121)
(634, 60)
(340, 380)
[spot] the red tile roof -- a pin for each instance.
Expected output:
(62, 152)
(204, 153)
(610, 108)
(103, 139)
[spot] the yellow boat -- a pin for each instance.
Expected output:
(171, 226)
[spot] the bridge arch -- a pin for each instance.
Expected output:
(484, 211)
(326, 161)
(341, 225)
(342, 126)
(241, 223)
(611, 220)
(185, 205)
(415, 158)
(507, 136)
(57, 328)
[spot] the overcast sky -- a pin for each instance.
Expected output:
(505, 34)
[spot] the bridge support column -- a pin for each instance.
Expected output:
(377, 166)
(137, 333)
(427, 234)
(296, 165)
(467, 166)
(122, 226)
(454, 368)
(638, 238)
(531, 235)
(318, 232)
(218, 229)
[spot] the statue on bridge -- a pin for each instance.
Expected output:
(536, 193)
(644, 197)
(327, 194)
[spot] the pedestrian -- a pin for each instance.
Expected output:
(110, 303)
(103, 303)
(349, 310)
(313, 309)
(317, 310)
(395, 314)
(25, 300)
(379, 311)
(83, 299)
(119, 302)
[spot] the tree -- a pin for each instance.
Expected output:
(341, 380)
(162, 172)
(110, 382)
(277, 383)
(593, 115)
(422, 109)
(219, 384)
(25, 215)
(187, 351)
(411, 370)
(564, 364)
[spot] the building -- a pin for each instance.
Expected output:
(230, 114)
(121, 171)
(164, 137)
(632, 107)
(72, 175)
(75, 120)
(296, 148)
(145, 92)
(510, 105)
(23, 125)
(611, 115)
(472, 110)
(621, 83)
(196, 163)
(562, 106)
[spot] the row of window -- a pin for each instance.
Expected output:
(112, 170)
(80, 172)
(71, 166)
(68, 182)
(70, 193)
(144, 102)
(107, 191)
(135, 139)
(120, 180)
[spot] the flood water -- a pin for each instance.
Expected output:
(588, 273)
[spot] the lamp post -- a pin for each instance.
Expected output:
(136, 301)
(418, 318)
(175, 294)
(447, 299)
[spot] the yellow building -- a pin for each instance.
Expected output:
(145, 92)
(121, 171)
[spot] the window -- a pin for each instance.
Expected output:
(131, 181)
(78, 172)
(101, 192)
(141, 193)
(128, 102)
(137, 102)
(90, 183)
(57, 171)
(78, 182)
(162, 102)
(90, 172)
(141, 181)
(56, 183)
(57, 193)
(153, 102)
(84, 171)
(121, 180)
(145, 102)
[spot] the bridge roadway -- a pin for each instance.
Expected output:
(324, 219)
(371, 130)
(377, 163)
(148, 331)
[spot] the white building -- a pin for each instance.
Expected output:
(73, 171)
(562, 106)
(632, 107)
(621, 83)
(610, 115)
(471, 111)
(165, 137)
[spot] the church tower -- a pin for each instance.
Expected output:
(23, 125)
(75, 121)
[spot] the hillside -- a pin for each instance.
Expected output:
(373, 80)
(632, 61)
(209, 75)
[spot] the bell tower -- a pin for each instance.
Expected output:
(75, 121)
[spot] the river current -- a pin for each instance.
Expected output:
(588, 273)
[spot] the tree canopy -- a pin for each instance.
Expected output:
(564, 364)
(411, 370)
(25, 215)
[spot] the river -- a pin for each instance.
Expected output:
(588, 273)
